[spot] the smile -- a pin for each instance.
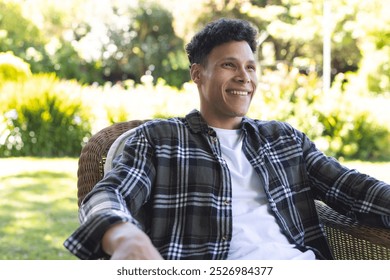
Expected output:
(239, 92)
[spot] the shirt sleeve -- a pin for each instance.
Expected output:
(347, 191)
(115, 199)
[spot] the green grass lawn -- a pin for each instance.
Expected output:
(38, 209)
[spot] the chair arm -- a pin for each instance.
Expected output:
(94, 152)
(350, 240)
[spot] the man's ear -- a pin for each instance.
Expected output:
(196, 72)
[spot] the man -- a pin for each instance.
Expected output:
(216, 184)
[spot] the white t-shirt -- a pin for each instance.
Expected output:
(256, 234)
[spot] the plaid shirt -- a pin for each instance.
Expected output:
(173, 183)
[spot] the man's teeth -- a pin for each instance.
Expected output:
(238, 92)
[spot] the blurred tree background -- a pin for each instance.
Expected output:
(92, 63)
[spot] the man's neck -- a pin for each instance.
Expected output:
(226, 123)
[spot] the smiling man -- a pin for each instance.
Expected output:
(226, 83)
(216, 184)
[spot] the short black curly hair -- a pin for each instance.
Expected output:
(217, 33)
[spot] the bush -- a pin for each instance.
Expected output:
(354, 135)
(13, 68)
(42, 118)
(287, 95)
(46, 117)
(352, 126)
(342, 123)
(23, 37)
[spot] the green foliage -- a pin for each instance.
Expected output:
(42, 118)
(356, 137)
(13, 68)
(126, 40)
(137, 42)
(291, 31)
(343, 124)
(378, 80)
(116, 115)
(352, 133)
(68, 64)
(288, 95)
(21, 36)
(45, 49)
(355, 123)
(374, 44)
(145, 44)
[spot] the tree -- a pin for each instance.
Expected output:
(22, 37)
(45, 48)
(142, 41)
(291, 31)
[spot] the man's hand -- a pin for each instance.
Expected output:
(126, 241)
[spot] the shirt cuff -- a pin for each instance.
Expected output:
(85, 242)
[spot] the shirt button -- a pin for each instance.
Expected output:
(214, 139)
(226, 202)
(224, 238)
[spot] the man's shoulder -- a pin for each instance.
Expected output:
(271, 126)
(163, 127)
(169, 122)
(275, 132)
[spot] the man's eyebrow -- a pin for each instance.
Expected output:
(232, 58)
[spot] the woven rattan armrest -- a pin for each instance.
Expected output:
(93, 154)
(352, 241)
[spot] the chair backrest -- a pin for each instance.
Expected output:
(92, 157)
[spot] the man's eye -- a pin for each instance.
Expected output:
(228, 64)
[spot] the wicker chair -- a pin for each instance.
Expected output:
(347, 239)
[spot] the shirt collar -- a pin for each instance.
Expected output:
(198, 124)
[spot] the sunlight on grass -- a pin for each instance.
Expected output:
(38, 209)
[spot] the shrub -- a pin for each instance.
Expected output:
(287, 95)
(13, 68)
(42, 118)
(342, 123)
(352, 126)
(354, 135)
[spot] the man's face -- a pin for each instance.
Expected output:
(226, 83)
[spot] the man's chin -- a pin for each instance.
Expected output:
(239, 114)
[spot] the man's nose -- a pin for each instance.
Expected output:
(243, 76)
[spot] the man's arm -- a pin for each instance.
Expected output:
(106, 205)
(125, 241)
(356, 195)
